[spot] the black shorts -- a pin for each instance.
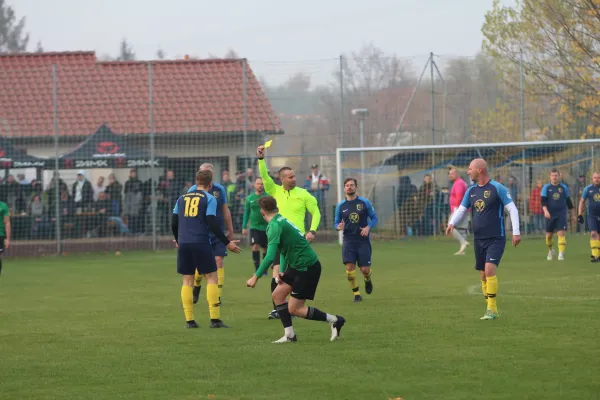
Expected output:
(2, 244)
(304, 283)
(259, 238)
(192, 257)
(488, 251)
(557, 222)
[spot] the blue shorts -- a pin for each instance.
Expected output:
(219, 249)
(593, 223)
(488, 251)
(557, 222)
(194, 256)
(358, 253)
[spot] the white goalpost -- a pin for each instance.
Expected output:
(409, 186)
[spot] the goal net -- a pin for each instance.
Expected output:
(409, 186)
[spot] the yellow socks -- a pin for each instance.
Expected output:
(484, 289)
(212, 297)
(368, 277)
(351, 275)
(188, 302)
(492, 291)
(595, 246)
(220, 280)
(562, 244)
(549, 243)
(197, 279)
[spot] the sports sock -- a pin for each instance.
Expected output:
(198, 278)
(562, 244)
(351, 275)
(315, 314)
(492, 291)
(595, 245)
(456, 235)
(0, 266)
(212, 297)
(484, 289)
(368, 276)
(273, 286)
(256, 259)
(220, 279)
(187, 299)
(549, 243)
(286, 319)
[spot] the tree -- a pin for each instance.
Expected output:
(126, 52)
(13, 38)
(231, 54)
(160, 54)
(558, 41)
(39, 48)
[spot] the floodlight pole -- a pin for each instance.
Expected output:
(56, 156)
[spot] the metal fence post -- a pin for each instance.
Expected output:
(56, 157)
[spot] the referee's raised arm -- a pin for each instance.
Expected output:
(270, 186)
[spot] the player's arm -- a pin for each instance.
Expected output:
(246, 214)
(337, 219)
(313, 208)
(175, 221)
(544, 198)
(211, 220)
(372, 216)
(460, 212)
(568, 197)
(512, 209)
(270, 186)
(7, 230)
(226, 212)
(273, 235)
(584, 196)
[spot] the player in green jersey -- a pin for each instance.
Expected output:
(5, 230)
(258, 225)
(300, 279)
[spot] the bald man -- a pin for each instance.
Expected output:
(487, 200)
(459, 188)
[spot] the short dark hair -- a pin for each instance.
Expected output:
(284, 169)
(554, 171)
(268, 203)
(257, 179)
(204, 178)
(350, 179)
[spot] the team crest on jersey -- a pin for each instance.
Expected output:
(560, 190)
(597, 197)
(479, 205)
(353, 218)
(216, 194)
(358, 207)
(487, 194)
(556, 196)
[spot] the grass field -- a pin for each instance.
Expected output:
(108, 327)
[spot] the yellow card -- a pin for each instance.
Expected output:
(268, 143)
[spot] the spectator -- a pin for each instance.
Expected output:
(317, 184)
(133, 202)
(406, 200)
(99, 187)
(22, 180)
(535, 207)
(83, 193)
(114, 190)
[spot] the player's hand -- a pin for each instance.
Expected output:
(244, 232)
(365, 231)
(310, 237)
(232, 246)
(252, 281)
(449, 229)
(176, 244)
(6, 243)
(340, 226)
(546, 214)
(516, 239)
(260, 151)
(580, 219)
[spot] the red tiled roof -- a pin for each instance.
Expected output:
(190, 96)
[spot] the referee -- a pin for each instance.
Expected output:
(293, 202)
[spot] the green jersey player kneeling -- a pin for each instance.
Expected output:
(301, 277)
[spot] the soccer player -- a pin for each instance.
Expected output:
(356, 217)
(300, 279)
(194, 219)
(258, 225)
(223, 218)
(555, 201)
(487, 200)
(459, 187)
(591, 193)
(5, 230)
(293, 202)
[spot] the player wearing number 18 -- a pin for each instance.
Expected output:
(194, 219)
(300, 279)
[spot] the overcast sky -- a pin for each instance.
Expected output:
(279, 37)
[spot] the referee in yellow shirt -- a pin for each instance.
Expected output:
(293, 202)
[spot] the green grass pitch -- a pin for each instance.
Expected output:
(108, 327)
